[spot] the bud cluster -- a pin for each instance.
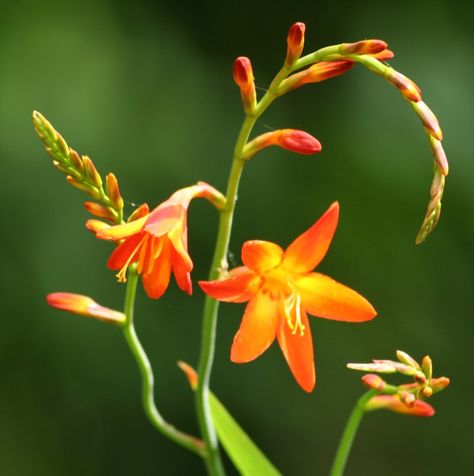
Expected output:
(81, 173)
(405, 398)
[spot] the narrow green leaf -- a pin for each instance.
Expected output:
(243, 452)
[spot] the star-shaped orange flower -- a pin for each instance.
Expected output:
(282, 289)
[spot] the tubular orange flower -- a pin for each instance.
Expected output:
(158, 241)
(395, 404)
(282, 290)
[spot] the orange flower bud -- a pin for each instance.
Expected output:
(439, 155)
(91, 172)
(405, 85)
(363, 47)
(96, 225)
(85, 306)
(100, 211)
(394, 403)
(428, 119)
(139, 212)
(290, 139)
(84, 187)
(374, 382)
(440, 383)
(384, 55)
(76, 160)
(243, 76)
(295, 41)
(190, 373)
(113, 191)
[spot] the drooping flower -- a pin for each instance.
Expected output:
(158, 241)
(282, 289)
(395, 404)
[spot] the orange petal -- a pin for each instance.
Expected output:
(182, 274)
(257, 329)
(126, 251)
(179, 239)
(298, 352)
(156, 282)
(321, 296)
(307, 251)
(163, 219)
(261, 256)
(120, 232)
(239, 288)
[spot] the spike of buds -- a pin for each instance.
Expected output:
(243, 76)
(290, 139)
(364, 47)
(84, 306)
(314, 74)
(295, 42)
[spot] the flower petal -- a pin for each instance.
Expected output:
(126, 251)
(308, 250)
(182, 274)
(257, 329)
(240, 287)
(163, 219)
(321, 296)
(179, 239)
(120, 232)
(261, 256)
(298, 352)
(156, 282)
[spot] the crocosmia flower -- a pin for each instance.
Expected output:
(158, 241)
(281, 290)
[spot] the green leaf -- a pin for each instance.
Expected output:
(243, 452)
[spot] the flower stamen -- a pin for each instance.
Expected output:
(122, 274)
(292, 311)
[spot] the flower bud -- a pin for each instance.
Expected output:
(190, 373)
(374, 382)
(428, 119)
(85, 306)
(139, 212)
(427, 392)
(295, 41)
(427, 366)
(76, 161)
(243, 76)
(440, 383)
(382, 368)
(96, 225)
(407, 359)
(101, 211)
(84, 187)
(363, 47)
(91, 172)
(113, 191)
(290, 139)
(405, 85)
(439, 155)
(384, 55)
(394, 404)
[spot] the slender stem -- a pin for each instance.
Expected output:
(187, 441)
(348, 436)
(219, 266)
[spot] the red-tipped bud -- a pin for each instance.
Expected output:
(139, 212)
(100, 211)
(113, 191)
(428, 119)
(405, 85)
(295, 41)
(243, 76)
(96, 225)
(314, 74)
(440, 383)
(364, 47)
(439, 155)
(290, 139)
(394, 404)
(384, 55)
(374, 382)
(85, 306)
(190, 373)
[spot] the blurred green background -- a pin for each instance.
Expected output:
(145, 88)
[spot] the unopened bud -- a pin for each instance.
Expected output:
(190, 373)
(243, 76)
(101, 211)
(384, 55)
(405, 85)
(381, 368)
(96, 225)
(439, 155)
(295, 41)
(427, 366)
(84, 187)
(139, 212)
(428, 119)
(440, 383)
(399, 367)
(363, 47)
(84, 306)
(290, 139)
(113, 191)
(91, 172)
(394, 404)
(408, 399)
(427, 392)
(374, 382)
(420, 377)
(75, 160)
(407, 359)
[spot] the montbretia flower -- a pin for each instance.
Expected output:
(395, 403)
(282, 289)
(158, 241)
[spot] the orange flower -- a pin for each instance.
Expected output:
(158, 241)
(395, 403)
(281, 290)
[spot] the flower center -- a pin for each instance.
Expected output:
(122, 274)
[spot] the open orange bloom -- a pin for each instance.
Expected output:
(158, 241)
(282, 289)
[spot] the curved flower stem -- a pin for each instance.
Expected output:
(219, 266)
(348, 436)
(187, 441)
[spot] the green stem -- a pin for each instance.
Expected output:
(348, 436)
(187, 441)
(219, 265)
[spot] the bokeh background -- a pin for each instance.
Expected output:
(145, 88)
